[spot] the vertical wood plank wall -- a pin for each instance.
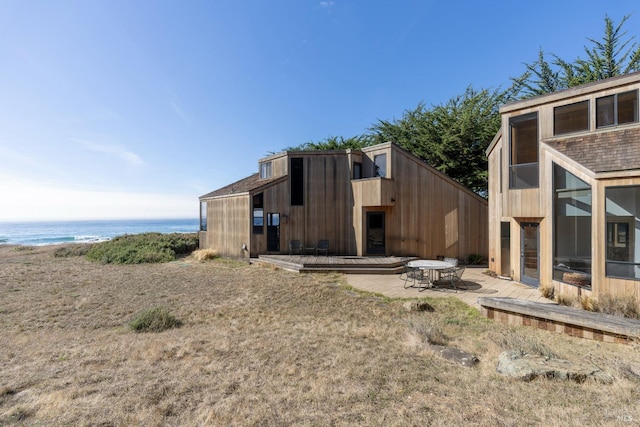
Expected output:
(432, 215)
(229, 225)
(495, 210)
(427, 213)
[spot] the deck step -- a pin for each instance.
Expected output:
(562, 319)
(339, 264)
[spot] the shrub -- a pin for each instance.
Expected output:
(429, 330)
(475, 259)
(618, 305)
(156, 319)
(568, 300)
(76, 249)
(205, 254)
(143, 248)
(547, 291)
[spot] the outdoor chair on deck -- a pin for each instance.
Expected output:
(323, 246)
(295, 247)
(411, 274)
(454, 276)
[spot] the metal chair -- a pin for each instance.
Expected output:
(411, 274)
(323, 246)
(295, 247)
(454, 276)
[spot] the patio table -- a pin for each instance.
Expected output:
(431, 265)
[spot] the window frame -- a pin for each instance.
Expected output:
(203, 215)
(566, 114)
(296, 181)
(266, 170)
(616, 111)
(257, 213)
(380, 168)
(357, 170)
(578, 268)
(514, 121)
(620, 241)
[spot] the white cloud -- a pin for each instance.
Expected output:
(326, 3)
(116, 150)
(25, 200)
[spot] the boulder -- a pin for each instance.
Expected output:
(455, 355)
(526, 367)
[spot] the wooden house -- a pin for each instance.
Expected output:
(380, 200)
(564, 190)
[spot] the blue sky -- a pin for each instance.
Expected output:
(133, 109)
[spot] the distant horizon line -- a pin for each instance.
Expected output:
(98, 219)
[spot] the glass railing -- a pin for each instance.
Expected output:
(523, 176)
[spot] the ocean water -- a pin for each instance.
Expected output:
(39, 233)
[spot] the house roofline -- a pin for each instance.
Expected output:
(494, 142)
(260, 186)
(572, 92)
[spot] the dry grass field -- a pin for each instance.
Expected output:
(261, 346)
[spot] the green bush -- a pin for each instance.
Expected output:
(475, 259)
(76, 249)
(143, 248)
(156, 319)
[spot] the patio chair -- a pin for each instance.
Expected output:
(454, 276)
(411, 274)
(323, 246)
(295, 247)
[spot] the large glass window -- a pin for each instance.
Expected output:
(203, 215)
(617, 109)
(571, 118)
(572, 228)
(380, 165)
(523, 159)
(623, 232)
(296, 178)
(258, 213)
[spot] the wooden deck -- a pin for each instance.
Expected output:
(341, 264)
(382, 275)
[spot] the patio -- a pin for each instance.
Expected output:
(382, 275)
(479, 284)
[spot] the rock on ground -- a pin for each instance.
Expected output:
(417, 305)
(526, 367)
(455, 355)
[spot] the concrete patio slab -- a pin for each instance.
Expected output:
(479, 284)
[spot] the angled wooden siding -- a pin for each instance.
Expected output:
(328, 201)
(327, 209)
(228, 225)
(432, 215)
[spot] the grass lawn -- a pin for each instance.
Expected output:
(261, 346)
